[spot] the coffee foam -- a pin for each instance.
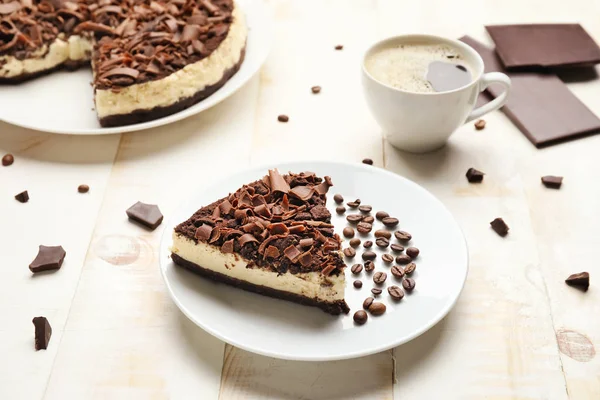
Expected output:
(405, 66)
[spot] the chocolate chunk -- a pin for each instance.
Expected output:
(367, 161)
(580, 280)
(43, 332)
(479, 124)
(368, 219)
(382, 233)
(316, 89)
(474, 176)
(356, 269)
(367, 244)
(387, 258)
(403, 259)
(339, 47)
(395, 292)
(292, 253)
(22, 197)
(552, 182)
(203, 232)
(7, 160)
(83, 188)
(376, 291)
(348, 232)
(363, 227)
(396, 247)
(360, 317)
(283, 118)
(369, 266)
(390, 221)
(354, 218)
(349, 252)
(340, 209)
(403, 236)
(357, 284)
(408, 284)
(397, 272)
(369, 255)
(377, 308)
(499, 226)
(365, 208)
(148, 215)
(410, 268)
(382, 242)
(381, 215)
(412, 252)
(379, 277)
(355, 242)
(367, 303)
(338, 198)
(48, 258)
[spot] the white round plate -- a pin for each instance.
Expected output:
(286, 330)
(62, 102)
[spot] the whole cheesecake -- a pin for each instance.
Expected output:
(149, 58)
(273, 237)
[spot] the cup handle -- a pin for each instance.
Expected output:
(487, 80)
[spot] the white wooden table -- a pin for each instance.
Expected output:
(517, 332)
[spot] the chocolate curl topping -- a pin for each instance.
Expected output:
(302, 192)
(214, 235)
(272, 252)
(278, 229)
(322, 188)
(225, 207)
(9, 8)
(227, 246)
(190, 32)
(328, 270)
(297, 229)
(210, 7)
(277, 183)
(203, 232)
(247, 238)
(305, 259)
(121, 71)
(291, 252)
(306, 242)
(94, 27)
(265, 243)
(263, 211)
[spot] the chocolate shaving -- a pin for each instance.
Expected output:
(227, 246)
(302, 192)
(328, 270)
(305, 259)
(94, 27)
(225, 207)
(121, 71)
(265, 243)
(247, 238)
(291, 252)
(322, 188)
(210, 6)
(190, 32)
(297, 229)
(9, 8)
(272, 252)
(214, 235)
(277, 183)
(278, 229)
(306, 242)
(203, 232)
(262, 210)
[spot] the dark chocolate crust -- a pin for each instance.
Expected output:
(334, 308)
(67, 66)
(139, 116)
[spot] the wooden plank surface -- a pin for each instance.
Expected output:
(517, 332)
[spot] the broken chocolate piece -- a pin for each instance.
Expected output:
(552, 182)
(148, 215)
(48, 258)
(43, 332)
(580, 280)
(500, 227)
(474, 176)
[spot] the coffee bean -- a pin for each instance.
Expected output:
(339, 47)
(480, 124)
(377, 308)
(367, 161)
(349, 252)
(397, 247)
(367, 244)
(390, 221)
(365, 209)
(395, 292)
(410, 268)
(580, 280)
(7, 160)
(363, 227)
(552, 182)
(316, 89)
(397, 272)
(381, 233)
(382, 242)
(403, 236)
(376, 292)
(348, 232)
(474, 176)
(367, 303)
(408, 284)
(381, 215)
(83, 189)
(357, 284)
(338, 198)
(360, 317)
(387, 258)
(356, 269)
(354, 218)
(355, 242)
(412, 252)
(22, 197)
(340, 209)
(379, 277)
(499, 226)
(369, 255)
(353, 204)
(403, 259)
(369, 219)
(369, 266)
(283, 118)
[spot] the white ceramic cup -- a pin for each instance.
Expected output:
(421, 122)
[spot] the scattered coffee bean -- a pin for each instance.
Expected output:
(412, 252)
(403, 236)
(365, 208)
(499, 226)
(357, 284)
(381, 215)
(369, 266)
(397, 247)
(479, 124)
(580, 280)
(283, 118)
(338, 198)
(387, 258)
(363, 227)
(355, 242)
(397, 272)
(367, 244)
(382, 233)
(356, 269)
(367, 161)
(390, 221)
(474, 176)
(395, 292)
(83, 188)
(43, 332)
(148, 215)
(7, 160)
(377, 308)
(403, 259)
(367, 303)
(339, 47)
(376, 292)
(369, 219)
(382, 242)
(369, 255)
(410, 268)
(349, 252)
(379, 277)
(22, 197)
(316, 89)
(48, 258)
(408, 284)
(348, 232)
(353, 204)
(340, 209)
(552, 182)
(354, 218)
(360, 317)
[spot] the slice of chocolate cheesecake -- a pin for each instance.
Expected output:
(273, 237)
